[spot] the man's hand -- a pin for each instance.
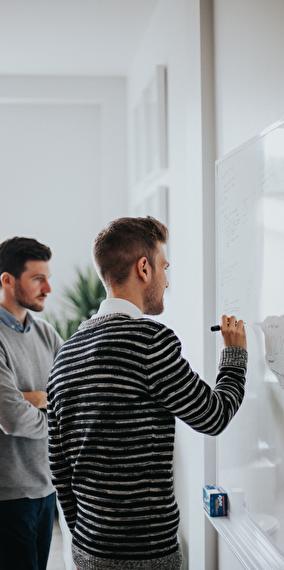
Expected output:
(36, 398)
(233, 332)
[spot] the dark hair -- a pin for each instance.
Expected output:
(123, 242)
(15, 252)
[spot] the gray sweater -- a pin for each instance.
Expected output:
(25, 362)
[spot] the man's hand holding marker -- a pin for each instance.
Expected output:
(233, 331)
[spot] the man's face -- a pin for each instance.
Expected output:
(32, 287)
(154, 294)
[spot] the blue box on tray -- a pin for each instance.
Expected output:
(215, 501)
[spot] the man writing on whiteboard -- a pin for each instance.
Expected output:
(114, 392)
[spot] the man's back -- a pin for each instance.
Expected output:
(119, 441)
(115, 389)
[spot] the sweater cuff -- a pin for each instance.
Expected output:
(233, 356)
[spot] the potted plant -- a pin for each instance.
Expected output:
(82, 300)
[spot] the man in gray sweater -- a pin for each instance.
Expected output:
(27, 350)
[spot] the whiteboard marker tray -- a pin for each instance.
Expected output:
(251, 546)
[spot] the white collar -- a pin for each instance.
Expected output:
(114, 305)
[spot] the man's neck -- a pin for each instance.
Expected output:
(126, 296)
(19, 313)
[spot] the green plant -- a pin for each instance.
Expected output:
(81, 300)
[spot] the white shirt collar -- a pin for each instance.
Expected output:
(115, 305)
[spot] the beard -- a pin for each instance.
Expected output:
(23, 301)
(153, 301)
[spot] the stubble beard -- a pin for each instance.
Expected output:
(153, 304)
(24, 302)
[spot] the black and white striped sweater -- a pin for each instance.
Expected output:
(115, 389)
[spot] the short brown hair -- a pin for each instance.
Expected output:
(123, 242)
(17, 251)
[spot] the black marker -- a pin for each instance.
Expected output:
(216, 328)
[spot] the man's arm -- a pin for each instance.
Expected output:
(182, 392)
(60, 468)
(18, 417)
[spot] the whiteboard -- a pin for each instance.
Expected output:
(250, 285)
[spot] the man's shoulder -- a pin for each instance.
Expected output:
(44, 325)
(151, 324)
(47, 329)
(117, 321)
(115, 324)
(160, 331)
(4, 332)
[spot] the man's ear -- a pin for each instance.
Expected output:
(7, 280)
(143, 269)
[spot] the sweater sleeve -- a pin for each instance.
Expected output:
(17, 416)
(50, 333)
(174, 385)
(59, 465)
(58, 342)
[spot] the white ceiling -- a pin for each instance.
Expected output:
(85, 37)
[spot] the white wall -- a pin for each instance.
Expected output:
(50, 158)
(62, 165)
(249, 68)
(174, 39)
(249, 87)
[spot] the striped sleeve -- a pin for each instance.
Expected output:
(175, 386)
(60, 469)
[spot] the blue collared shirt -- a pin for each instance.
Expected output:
(10, 321)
